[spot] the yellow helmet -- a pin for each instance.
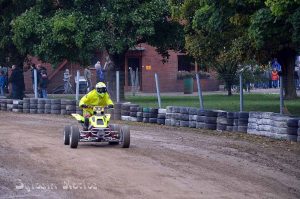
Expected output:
(101, 89)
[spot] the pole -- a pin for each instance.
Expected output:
(118, 85)
(77, 85)
(157, 90)
(35, 83)
(199, 92)
(281, 95)
(241, 93)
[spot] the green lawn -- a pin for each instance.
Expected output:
(252, 102)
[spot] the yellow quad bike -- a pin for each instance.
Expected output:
(99, 130)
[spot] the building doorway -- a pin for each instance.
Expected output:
(134, 64)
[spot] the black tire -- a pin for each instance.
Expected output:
(161, 116)
(153, 120)
(292, 138)
(192, 124)
(146, 115)
(184, 110)
(176, 109)
(146, 119)
(33, 106)
(133, 109)
(125, 113)
(243, 122)
(210, 126)
(133, 114)
(114, 127)
(201, 112)
(243, 115)
(40, 111)
(161, 121)
(291, 131)
(153, 110)
(184, 117)
(33, 111)
(139, 114)
(184, 123)
(230, 121)
(229, 128)
(193, 111)
(293, 122)
(74, 137)
(200, 125)
(55, 106)
(210, 120)
(70, 107)
(125, 137)
(211, 113)
(230, 115)
(222, 114)
(139, 119)
(67, 131)
(26, 106)
(55, 101)
(242, 129)
(201, 118)
(55, 112)
(221, 127)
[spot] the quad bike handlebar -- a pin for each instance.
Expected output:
(97, 107)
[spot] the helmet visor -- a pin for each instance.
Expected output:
(101, 90)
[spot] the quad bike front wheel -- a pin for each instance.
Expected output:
(125, 137)
(74, 137)
(67, 132)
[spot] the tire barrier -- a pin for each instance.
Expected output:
(266, 124)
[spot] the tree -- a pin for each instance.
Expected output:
(74, 30)
(9, 54)
(275, 32)
(215, 34)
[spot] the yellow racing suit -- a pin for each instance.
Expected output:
(93, 98)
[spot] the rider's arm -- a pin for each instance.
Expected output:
(84, 101)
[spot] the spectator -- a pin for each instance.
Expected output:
(99, 72)
(32, 68)
(3, 81)
(276, 65)
(67, 84)
(17, 81)
(275, 78)
(88, 78)
(43, 83)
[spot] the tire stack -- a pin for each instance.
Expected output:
(222, 121)
(200, 124)
(184, 116)
(146, 115)
(48, 106)
(17, 106)
(125, 112)
(26, 105)
(193, 117)
(176, 116)
(3, 105)
(9, 104)
(230, 121)
(134, 108)
(33, 105)
(139, 115)
(68, 107)
(243, 122)
(168, 115)
(77, 110)
(55, 106)
(41, 106)
(117, 111)
(279, 126)
(211, 120)
(235, 122)
(161, 116)
(153, 112)
(292, 129)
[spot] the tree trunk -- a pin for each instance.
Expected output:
(286, 59)
(229, 86)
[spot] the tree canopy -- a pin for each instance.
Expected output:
(74, 30)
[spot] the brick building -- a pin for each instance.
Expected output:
(144, 58)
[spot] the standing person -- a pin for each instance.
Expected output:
(3, 81)
(275, 78)
(44, 83)
(99, 72)
(88, 78)
(67, 83)
(17, 81)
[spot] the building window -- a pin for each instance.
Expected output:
(185, 63)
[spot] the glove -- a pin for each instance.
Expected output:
(84, 106)
(110, 106)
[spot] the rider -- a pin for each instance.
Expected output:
(97, 97)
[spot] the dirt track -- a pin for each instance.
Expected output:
(162, 162)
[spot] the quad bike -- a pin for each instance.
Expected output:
(99, 130)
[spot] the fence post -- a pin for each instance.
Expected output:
(118, 86)
(241, 93)
(199, 91)
(281, 94)
(35, 83)
(77, 86)
(157, 90)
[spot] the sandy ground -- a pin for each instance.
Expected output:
(162, 162)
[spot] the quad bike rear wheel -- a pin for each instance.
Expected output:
(74, 137)
(125, 137)
(67, 132)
